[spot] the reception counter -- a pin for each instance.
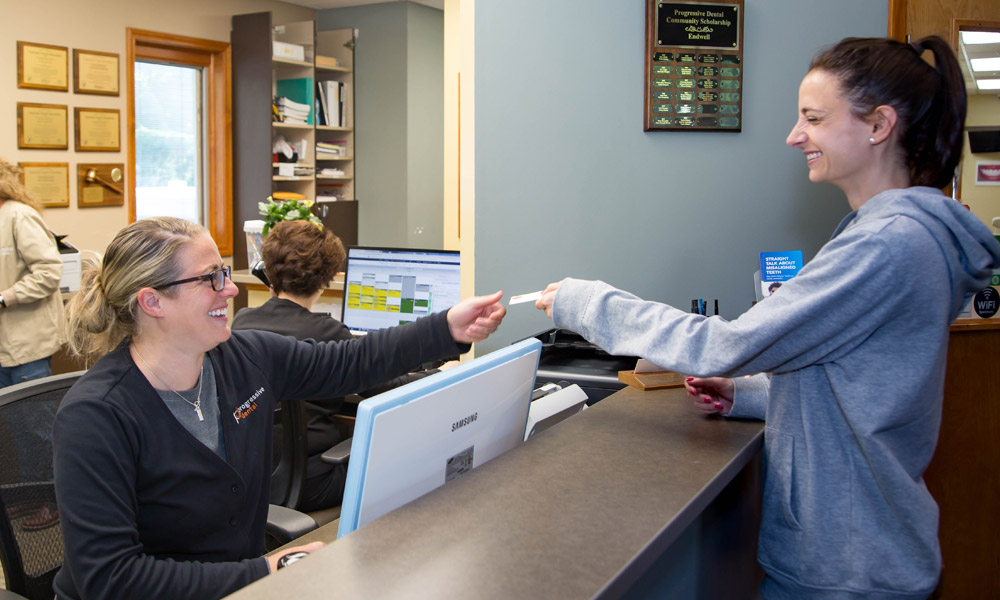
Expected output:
(640, 495)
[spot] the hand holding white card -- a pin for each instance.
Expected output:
(533, 296)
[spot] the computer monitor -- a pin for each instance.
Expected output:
(413, 439)
(384, 287)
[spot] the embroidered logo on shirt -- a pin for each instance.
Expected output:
(243, 410)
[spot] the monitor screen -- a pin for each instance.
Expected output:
(384, 287)
(415, 438)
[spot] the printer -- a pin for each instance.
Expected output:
(72, 267)
(567, 357)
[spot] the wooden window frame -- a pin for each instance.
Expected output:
(216, 58)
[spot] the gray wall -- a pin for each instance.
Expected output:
(398, 71)
(568, 184)
(425, 126)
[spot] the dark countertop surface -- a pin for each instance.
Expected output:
(562, 516)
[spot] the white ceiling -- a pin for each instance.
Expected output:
(968, 52)
(324, 4)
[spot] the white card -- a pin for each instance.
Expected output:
(525, 298)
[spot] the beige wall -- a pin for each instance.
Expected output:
(984, 110)
(100, 25)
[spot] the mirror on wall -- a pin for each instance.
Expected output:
(977, 43)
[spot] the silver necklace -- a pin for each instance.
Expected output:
(197, 403)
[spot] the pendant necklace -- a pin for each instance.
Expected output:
(197, 403)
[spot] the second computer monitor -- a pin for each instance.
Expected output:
(384, 287)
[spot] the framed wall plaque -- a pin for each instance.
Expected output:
(95, 72)
(100, 184)
(43, 67)
(42, 126)
(693, 66)
(47, 183)
(97, 129)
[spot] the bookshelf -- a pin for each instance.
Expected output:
(259, 75)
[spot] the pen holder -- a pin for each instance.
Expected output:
(651, 381)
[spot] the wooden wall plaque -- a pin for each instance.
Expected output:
(47, 182)
(100, 184)
(693, 66)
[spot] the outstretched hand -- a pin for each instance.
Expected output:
(548, 298)
(474, 319)
(712, 395)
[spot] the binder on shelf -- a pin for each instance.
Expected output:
(340, 103)
(298, 90)
(323, 117)
(332, 92)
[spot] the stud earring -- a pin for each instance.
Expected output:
(871, 140)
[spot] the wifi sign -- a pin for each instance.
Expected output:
(986, 302)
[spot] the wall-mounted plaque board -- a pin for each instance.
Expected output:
(47, 183)
(95, 72)
(42, 126)
(100, 184)
(694, 66)
(42, 67)
(97, 129)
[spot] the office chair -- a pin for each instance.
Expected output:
(31, 545)
(289, 473)
(291, 455)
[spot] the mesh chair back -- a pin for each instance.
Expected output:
(31, 545)
(290, 447)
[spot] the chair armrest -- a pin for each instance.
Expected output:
(8, 595)
(285, 524)
(339, 454)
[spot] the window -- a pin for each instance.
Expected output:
(169, 145)
(179, 117)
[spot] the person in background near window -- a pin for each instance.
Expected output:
(31, 308)
(300, 259)
(32, 327)
(852, 351)
(162, 449)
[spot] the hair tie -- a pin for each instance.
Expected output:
(917, 47)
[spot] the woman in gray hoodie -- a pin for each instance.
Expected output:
(853, 349)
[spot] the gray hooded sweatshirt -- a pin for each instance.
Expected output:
(854, 350)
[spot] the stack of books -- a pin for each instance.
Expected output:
(330, 192)
(331, 172)
(333, 149)
(290, 111)
(325, 61)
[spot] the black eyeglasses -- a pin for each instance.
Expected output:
(218, 279)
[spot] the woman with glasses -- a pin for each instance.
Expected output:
(163, 449)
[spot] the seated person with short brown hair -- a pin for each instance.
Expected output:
(300, 259)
